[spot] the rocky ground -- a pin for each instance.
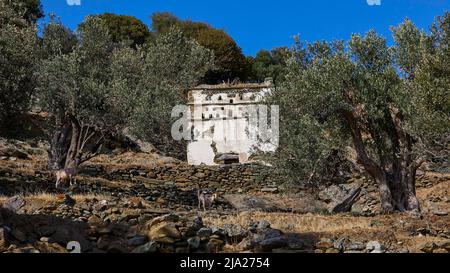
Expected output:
(119, 205)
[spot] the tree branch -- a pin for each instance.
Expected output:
(95, 151)
(86, 139)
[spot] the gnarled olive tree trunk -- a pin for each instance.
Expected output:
(72, 143)
(395, 179)
(57, 152)
(402, 180)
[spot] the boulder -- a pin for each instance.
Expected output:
(375, 247)
(204, 232)
(355, 246)
(194, 242)
(193, 226)
(271, 243)
(245, 245)
(128, 139)
(263, 224)
(218, 231)
(324, 244)
(165, 218)
(345, 204)
(428, 247)
(164, 232)
(265, 240)
(14, 203)
(200, 175)
(150, 247)
(214, 245)
(137, 240)
(235, 233)
(331, 193)
(340, 243)
(46, 247)
(444, 244)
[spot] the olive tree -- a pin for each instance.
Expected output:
(56, 39)
(163, 72)
(339, 95)
(424, 61)
(100, 87)
(17, 60)
(74, 88)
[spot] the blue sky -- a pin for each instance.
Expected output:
(264, 24)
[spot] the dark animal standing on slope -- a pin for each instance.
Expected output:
(65, 175)
(205, 199)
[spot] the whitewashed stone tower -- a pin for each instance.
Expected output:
(220, 124)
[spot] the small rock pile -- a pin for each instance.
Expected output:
(345, 245)
(438, 247)
(174, 234)
(103, 226)
(366, 204)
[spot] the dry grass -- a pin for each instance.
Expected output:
(441, 189)
(341, 223)
(384, 228)
(128, 160)
(435, 198)
(123, 161)
(298, 223)
(25, 167)
(45, 198)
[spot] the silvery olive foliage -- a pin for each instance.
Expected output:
(163, 72)
(424, 61)
(306, 141)
(388, 104)
(56, 39)
(18, 48)
(103, 87)
(78, 82)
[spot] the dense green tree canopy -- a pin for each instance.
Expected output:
(75, 87)
(269, 64)
(171, 65)
(101, 87)
(124, 28)
(33, 10)
(18, 48)
(56, 39)
(30, 10)
(229, 60)
(340, 95)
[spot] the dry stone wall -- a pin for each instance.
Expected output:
(233, 178)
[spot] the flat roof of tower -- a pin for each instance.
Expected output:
(225, 86)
